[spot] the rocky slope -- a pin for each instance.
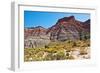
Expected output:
(35, 37)
(68, 28)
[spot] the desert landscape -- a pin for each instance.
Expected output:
(68, 39)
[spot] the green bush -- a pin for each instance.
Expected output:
(60, 55)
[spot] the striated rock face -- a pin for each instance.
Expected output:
(86, 25)
(35, 37)
(67, 28)
(36, 31)
(36, 42)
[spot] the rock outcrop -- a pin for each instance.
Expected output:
(35, 37)
(68, 28)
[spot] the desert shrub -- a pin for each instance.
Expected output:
(70, 57)
(51, 50)
(26, 57)
(67, 54)
(60, 55)
(74, 44)
(46, 46)
(49, 57)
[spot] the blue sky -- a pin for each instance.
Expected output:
(47, 19)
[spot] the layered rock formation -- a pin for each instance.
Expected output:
(67, 28)
(35, 37)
